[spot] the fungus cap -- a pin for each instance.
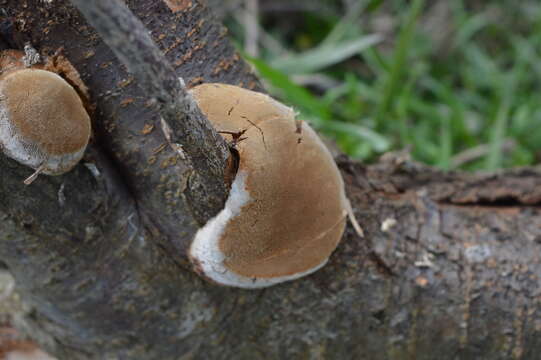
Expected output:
(286, 210)
(43, 123)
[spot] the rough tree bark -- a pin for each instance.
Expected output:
(449, 267)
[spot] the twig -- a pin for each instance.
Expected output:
(129, 40)
(320, 81)
(266, 40)
(34, 176)
(251, 28)
(297, 6)
(477, 152)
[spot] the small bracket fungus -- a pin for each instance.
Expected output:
(287, 209)
(43, 122)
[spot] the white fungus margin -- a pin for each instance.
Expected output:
(206, 251)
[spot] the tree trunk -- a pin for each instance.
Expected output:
(449, 267)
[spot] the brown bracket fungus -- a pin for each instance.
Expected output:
(287, 209)
(43, 122)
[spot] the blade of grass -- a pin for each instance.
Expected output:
(445, 92)
(508, 85)
(376, 62)
(323, 56)
(402, 109)
(377, 142)
(398, 66)
(469, 28)
(346, 25)
(373, 5)
(446, 143)
(296, 95)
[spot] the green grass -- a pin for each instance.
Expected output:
(471, 102)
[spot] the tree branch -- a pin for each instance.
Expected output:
(129, 40)
(449, 266)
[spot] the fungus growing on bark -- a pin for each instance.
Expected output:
(13, 347)
(43, 122)
(286, 210)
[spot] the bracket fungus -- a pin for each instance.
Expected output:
(287, 208)
(43, 121)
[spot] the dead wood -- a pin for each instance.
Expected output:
(449, 267)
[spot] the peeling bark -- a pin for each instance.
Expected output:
(449, 267)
